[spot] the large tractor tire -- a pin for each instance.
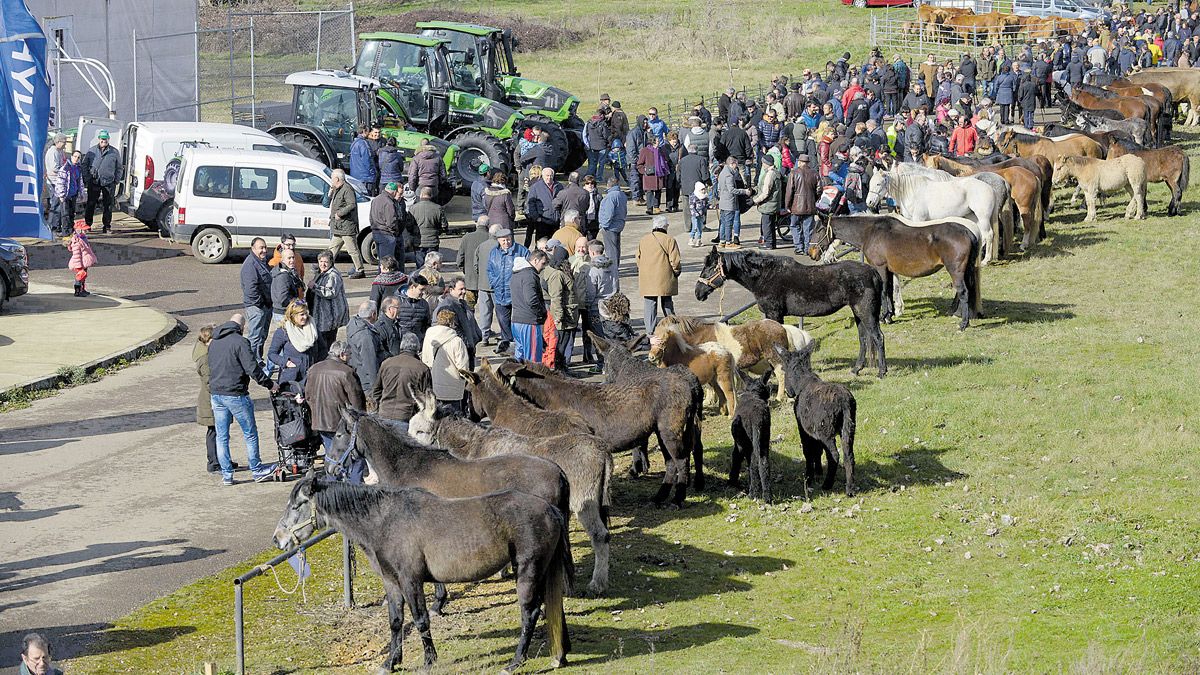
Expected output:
(577, 153)
(559, 141)
(302, 144)
(475, 148)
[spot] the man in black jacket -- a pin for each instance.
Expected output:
(285, 285)
(388, 327)
(413, 316)
(737, 142)
(528, 306)
(256, 295)
(231, 366)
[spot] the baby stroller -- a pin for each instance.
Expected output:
(298, 443)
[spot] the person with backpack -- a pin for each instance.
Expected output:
(597, 136)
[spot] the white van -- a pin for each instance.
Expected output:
(226, 198)
(152, 151)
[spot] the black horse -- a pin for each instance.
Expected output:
(783, 287)
(412, 537)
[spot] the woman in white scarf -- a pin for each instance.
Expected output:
(295, 345)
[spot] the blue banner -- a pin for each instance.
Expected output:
(24, 120)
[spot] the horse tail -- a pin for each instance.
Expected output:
(971, 277)
(849, 421)
(605, 488)
(564, 495)
(796, 337)
(1184, 175)
(559, 582)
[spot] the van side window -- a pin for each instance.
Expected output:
(255, 184)
(213, 181)
(306, 188)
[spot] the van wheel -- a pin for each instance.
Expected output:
(163, 221)
(370, 252)
(3, 292)
(211, 246)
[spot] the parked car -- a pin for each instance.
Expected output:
(226, 198)
(1068, 9)
(878, 3)
(14, 270)
(152, 152)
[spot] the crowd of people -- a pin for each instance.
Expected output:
(804, 148)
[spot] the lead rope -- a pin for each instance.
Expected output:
(300, 580)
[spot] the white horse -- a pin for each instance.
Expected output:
(920, 197)
(1007, 217)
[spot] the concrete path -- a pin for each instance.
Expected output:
(49, 328)
(104, 502)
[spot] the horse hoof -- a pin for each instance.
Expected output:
(558, 663)
(595, 590)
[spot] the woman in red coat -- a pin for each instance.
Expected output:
(652, 167)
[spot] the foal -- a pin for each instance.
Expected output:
(822, 409)
(751, 429)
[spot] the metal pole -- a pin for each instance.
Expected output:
(239, 631)
(353, 35)
(135, 77)
(347, 572)
(320, 25)
(253, 94)
(196, 87)
(232, 90)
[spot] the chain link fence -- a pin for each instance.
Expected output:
(239, 68)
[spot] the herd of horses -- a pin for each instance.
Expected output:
(963, 26)
(459, 500)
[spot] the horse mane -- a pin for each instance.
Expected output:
(397, 438)
(904, 185)
(684, 323)
(753, 262)
(346, 499)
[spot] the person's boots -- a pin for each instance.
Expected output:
(83, 291)
(78, 289)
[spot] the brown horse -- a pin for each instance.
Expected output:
(1153, 105)
(1168, 165)
(1014, 142)
(1131, 108)
(893, 248)
(1038, 165)
(1184, 84)
(1026, 192)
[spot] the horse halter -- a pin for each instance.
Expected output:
(338, 468)
(719, 273)
(311, 520)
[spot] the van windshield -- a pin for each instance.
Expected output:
(360, 188)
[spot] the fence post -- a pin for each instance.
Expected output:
(353, 35)
(196, 89)
(239, 631)
(320, 25)
(135, 76)
(253, 94)
(347, 572)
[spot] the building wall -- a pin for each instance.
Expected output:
(104, 30)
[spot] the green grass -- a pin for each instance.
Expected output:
(1053, 442)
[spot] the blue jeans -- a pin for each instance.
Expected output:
(596, 159)
(731, 226)
(635, 184)
(697, 227)
(385, 245)
(258, 322)
(240, 408)
(802, 227)
(766, 230)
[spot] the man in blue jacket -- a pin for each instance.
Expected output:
(256, 296)
(499, 271)
(363, 158)
(614, 209)
(231, 366)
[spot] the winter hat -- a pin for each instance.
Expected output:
(103, 135)
(391, 186)
(82, 226)
(503, 233)
(616, 143)
(553, 244)
(701, 190)
(484, 168)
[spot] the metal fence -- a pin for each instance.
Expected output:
(900, 32)
(240, 67)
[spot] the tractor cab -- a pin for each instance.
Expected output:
(485, 57)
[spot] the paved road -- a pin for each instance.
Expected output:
(104, 503)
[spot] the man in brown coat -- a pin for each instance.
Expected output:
(658, 271)
(331, 386)
(427, 170)
(396, 375)
(800, 199)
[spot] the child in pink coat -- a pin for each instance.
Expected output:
(82, 257)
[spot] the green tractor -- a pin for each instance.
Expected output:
(482, 58)
(413, 67)
(329, 106)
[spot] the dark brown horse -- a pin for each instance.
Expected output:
(1155, 106)
(1038, 165)
(894, 249)
(1130, 107)
(1026, 192)
(783, 287)
(1169, 164)
(412, 537)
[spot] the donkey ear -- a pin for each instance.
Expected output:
(766, 377)
(349, 415)
(600, 343)
(633, 344)
(469, 375)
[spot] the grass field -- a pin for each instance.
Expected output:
(1028, 487)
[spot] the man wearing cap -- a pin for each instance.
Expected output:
(597, 136)
(431, 221)
(800, 200)
(658, 263)
(476, 263)
(618, 121)
(499, 272)
(102, 169)
(478, 187)
(386, 214)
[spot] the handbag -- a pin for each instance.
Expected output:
(293, 431)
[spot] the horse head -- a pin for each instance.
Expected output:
(423, 425)
(300, 517)
(757, 386)
(712, 274)
(344, 446)
(878, 188)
